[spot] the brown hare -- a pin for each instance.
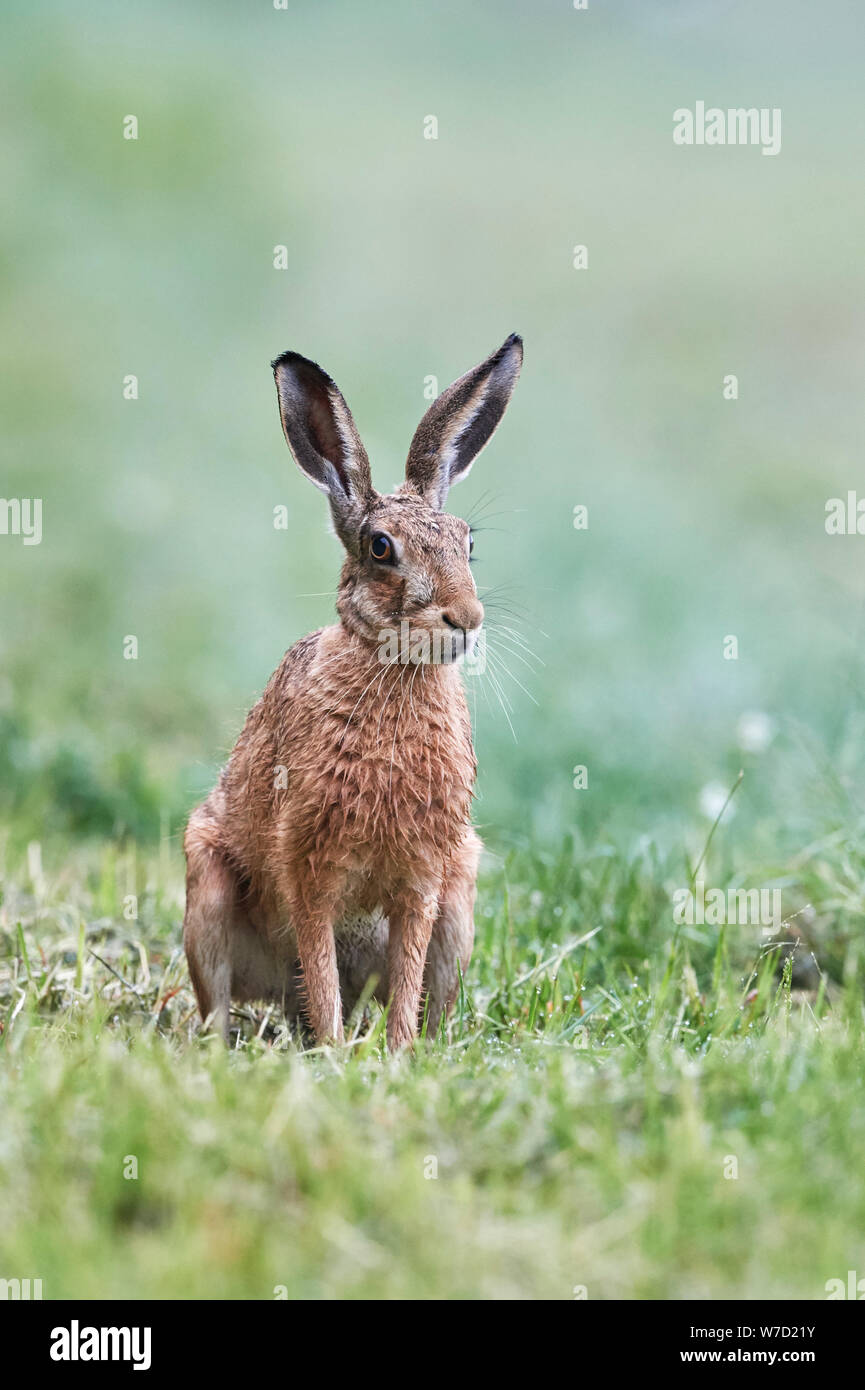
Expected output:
(337, 845)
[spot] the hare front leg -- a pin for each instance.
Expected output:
(450, 947)
(410, 920)
(316, 948)
(311, 904)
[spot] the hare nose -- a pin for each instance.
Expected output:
(468, 616)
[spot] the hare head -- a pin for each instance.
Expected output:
(407, 561)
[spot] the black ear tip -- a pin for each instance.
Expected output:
(286, 359)
(510, 354)
(303, 369)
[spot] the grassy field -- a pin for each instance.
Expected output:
(621, 1108)
(607, 1069)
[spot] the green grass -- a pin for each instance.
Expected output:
(601, 1066)
(599, 1072)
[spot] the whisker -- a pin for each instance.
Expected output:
(411, 692)
(497, 689)
(502, 646)
(500, 588)
(507, 671)
(489, 516)
(388, 693)
(517, 640)
(494, 676)
(487, 499)
(396, 727)
(516, 633)
(357, 702)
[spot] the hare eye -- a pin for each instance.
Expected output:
(380, 548)
(471, 542)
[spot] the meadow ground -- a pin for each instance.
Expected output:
(620, 1109)
(606, 1072)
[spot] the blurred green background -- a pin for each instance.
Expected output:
(410, 257)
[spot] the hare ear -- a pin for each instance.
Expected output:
(460, 422)
(323, 438)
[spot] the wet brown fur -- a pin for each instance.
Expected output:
(337, 847)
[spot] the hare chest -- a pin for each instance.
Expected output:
(381, 809)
